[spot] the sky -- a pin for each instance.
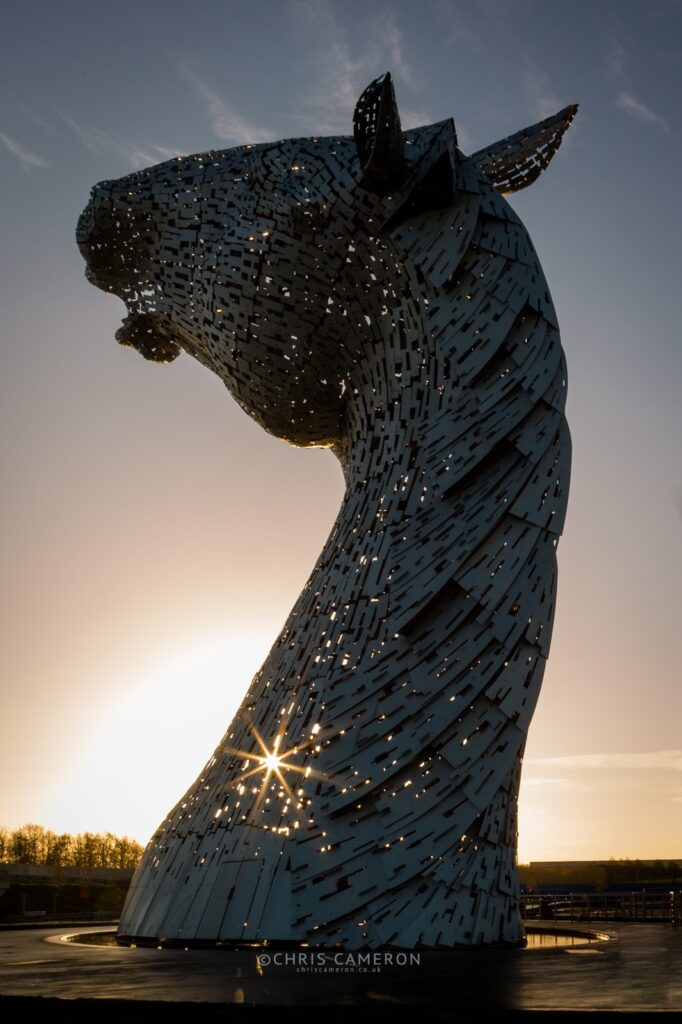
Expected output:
(154, 538)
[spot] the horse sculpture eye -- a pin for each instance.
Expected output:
(365, 792)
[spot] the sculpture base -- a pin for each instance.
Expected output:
(277, 945)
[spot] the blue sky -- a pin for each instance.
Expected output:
(154, 538)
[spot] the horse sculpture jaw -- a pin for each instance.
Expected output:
(365, 792)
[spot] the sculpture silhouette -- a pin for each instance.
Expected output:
(376, 295)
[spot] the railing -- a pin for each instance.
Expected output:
(36, 918)
(605, 906)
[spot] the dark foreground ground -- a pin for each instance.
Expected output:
(639, 970)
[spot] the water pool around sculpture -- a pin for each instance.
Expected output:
(536, 938)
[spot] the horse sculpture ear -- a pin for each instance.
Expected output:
(515, 162)
(378, 136)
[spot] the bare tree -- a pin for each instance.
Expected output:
(34, 844)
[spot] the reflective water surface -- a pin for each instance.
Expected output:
(638, 968)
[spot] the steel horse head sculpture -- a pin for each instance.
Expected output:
(374, 294)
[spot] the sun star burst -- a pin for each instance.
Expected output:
(273, 762)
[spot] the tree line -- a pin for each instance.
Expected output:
(33, 844)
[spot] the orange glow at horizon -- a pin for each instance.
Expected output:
(576, 807)
(136, 692)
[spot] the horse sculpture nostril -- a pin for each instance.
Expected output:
(112, 236)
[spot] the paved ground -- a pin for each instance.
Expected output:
(639, 969)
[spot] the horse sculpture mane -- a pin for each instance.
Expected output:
(376, 295)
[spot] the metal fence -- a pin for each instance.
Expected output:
(44, 918)
(605, 906)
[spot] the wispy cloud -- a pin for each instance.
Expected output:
(628, 103)
(555, 783)
(617, 51)
(338, 76)
(226, 122)
(166, 152)
(539, 92)
(341, 75)
(456, 23)
(97, 141)
(34, 117)
(25, 156)
(670, 760)
(398, 64)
